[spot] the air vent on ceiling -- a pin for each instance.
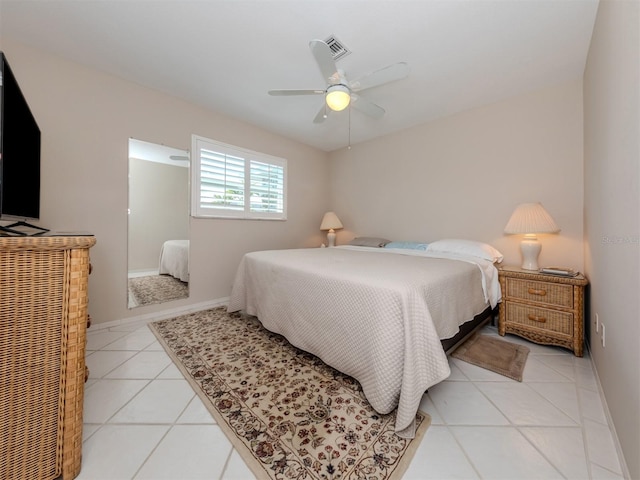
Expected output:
(338, 50)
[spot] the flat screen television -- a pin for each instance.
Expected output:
(19, 154)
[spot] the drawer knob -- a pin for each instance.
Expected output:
(535, 291)
(535, 318)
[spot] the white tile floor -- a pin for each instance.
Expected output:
(143, 420)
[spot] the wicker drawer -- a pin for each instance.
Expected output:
(542, 318)
(43, 314)
(540, 292)
(543, 308)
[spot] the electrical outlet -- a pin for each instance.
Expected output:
(602, 337)
(597, 323)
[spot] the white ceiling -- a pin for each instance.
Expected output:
(226, 54)
(153, 152)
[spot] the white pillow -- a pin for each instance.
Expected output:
(466, 247)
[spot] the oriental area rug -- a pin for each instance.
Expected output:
(156, 289)
(289, 415)
(493, 354)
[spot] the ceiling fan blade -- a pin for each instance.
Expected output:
(283, 93)
(367, 107)
(322, 53)
(322, 114)
(391, 73)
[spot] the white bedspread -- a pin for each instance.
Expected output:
(174, 259)
(375, 314)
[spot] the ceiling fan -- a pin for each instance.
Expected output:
(341, 92)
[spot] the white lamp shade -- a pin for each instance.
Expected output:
(330, 221)
(338, 97)
(531, 218)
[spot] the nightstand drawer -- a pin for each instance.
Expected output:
(543, 308)
(542, 318)
(540, 292)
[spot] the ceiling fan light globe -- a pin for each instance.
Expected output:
(338, 98)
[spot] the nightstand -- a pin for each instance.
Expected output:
(547, 309)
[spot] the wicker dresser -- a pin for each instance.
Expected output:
(43, 321)
(545, 309)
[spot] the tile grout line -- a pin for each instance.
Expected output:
(517, 427)
(166, 433)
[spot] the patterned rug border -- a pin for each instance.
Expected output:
(247, 456)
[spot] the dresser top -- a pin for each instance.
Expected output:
(518, 272)
(46, 242)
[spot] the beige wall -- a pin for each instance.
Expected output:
(462, 176)
(612, 213)
(158, 210)
(87, 118)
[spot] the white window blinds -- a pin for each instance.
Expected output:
(234, 182)
(221, 181)
(267, 187)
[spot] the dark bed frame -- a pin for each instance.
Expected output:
(469, 328)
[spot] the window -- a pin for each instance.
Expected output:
(233, 182)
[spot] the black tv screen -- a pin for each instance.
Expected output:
(19, 151)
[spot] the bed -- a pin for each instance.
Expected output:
(376, 314)
(174, 259)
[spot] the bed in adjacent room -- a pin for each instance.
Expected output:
(380, 315)
(174, 259)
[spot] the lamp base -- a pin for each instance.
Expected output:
(530, 248)
(331, 238)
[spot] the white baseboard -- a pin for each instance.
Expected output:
(607, 413)
(152, 317)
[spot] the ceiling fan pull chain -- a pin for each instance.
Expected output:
(349, 143)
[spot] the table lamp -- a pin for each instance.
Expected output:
(530, 219)
(331, 222)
